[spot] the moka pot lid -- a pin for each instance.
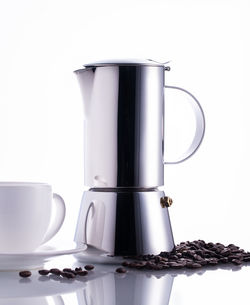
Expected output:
(126, 62)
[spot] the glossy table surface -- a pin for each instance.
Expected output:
(103, 286)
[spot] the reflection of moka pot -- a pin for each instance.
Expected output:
(133, 288)
(124, 212)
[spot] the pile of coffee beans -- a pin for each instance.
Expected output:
(65, 273)
(195, 254)
(192, 255)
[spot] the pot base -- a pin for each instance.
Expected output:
(123, 222)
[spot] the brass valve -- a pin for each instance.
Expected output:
(166, 201)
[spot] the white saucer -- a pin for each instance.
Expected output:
(32, 260)
(97, 256)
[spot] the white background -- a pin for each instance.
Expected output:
(41, 119)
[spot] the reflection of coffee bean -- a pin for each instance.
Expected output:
(43, 278)
(43, 272)
(121, 270)
(89, 267)
(55, 271)
(25, 273)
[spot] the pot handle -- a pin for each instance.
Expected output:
(200, 127)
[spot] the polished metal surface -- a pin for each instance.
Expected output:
(123, 223)
(124, 123)
(125, 62)
(123, 127)
(124, 159)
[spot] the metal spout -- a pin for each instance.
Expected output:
(86, 80)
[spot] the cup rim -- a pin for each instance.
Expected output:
(23, 184)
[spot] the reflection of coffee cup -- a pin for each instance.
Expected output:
(25, 216)
(55, 300)
(25, 301)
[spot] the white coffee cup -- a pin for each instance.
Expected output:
(25, 215)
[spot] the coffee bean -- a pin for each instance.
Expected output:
(121, 270)
(173, 257)
(82, 273)
(157, 259)
(68, 275)
(197, 257)
(210, 245)
(175, 265)
(232, 246)
(89, 267)
(55, 271)
(235, 251)
(25, 273)
(132, 265)
(198, 252)
(246, 259)
(202, 262)
(212, 261)
(237, 262)
(139, 265)
(69, 270)
(223, 260)
(43, 272)
(231, 257)
(193, 265)
(226, 252)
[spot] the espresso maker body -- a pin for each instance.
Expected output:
(123, 212)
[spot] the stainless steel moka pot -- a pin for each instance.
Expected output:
(124, 212)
